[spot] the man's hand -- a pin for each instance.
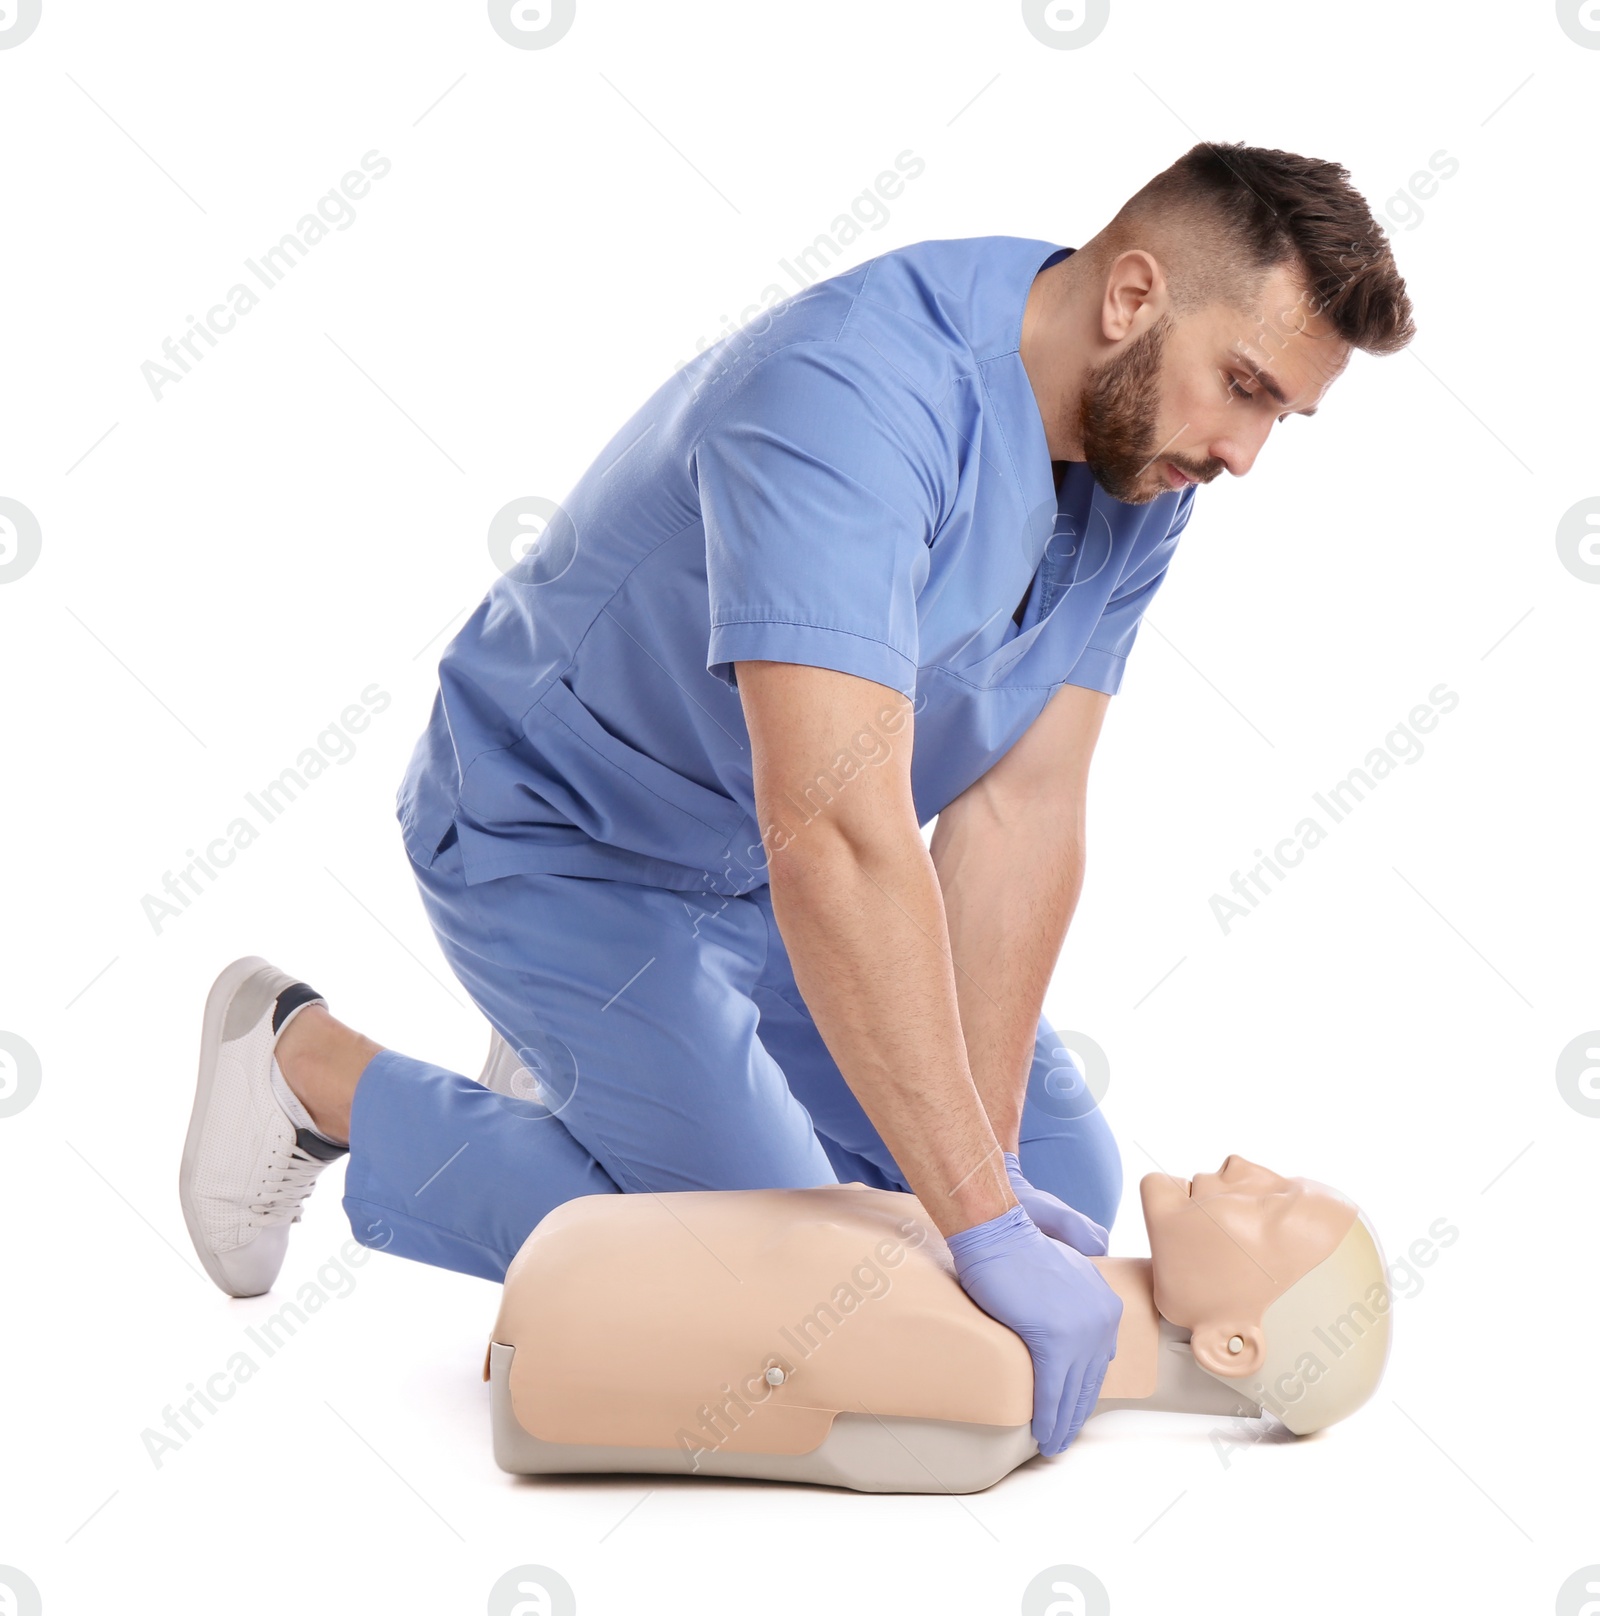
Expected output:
(1058, 1302)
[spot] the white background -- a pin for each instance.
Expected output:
(305, 515)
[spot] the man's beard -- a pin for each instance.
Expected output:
(1117, 417)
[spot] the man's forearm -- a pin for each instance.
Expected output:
(1010, 883)
(866, 935)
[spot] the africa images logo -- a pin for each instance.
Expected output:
(20, 539)
(532, 24)
(18, 19)
(532, 1590)
(1066, 24)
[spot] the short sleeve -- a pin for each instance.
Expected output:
(821, 483)
(1101, 664)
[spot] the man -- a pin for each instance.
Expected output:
(666, 815)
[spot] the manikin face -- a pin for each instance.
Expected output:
(1228, 1244)
(1187, 400)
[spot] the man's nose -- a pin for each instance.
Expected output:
(1238, 450)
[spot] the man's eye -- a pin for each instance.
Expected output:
(1236, 390)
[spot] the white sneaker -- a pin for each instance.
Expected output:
(251, 1155)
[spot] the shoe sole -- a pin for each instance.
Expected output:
(497, 1065)
(502, 1071)
(221, 996)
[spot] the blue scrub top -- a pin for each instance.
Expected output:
(859, 480)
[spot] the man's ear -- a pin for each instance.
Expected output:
(1209, 1344)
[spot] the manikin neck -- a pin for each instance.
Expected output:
(1154, 1368)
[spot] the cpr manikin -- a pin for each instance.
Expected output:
(821, 1335)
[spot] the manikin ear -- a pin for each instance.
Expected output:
(1210, 1344)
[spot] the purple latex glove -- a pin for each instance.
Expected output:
(1055, 1217)
(1056, 1300)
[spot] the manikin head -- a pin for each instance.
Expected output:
(1225, 295)
(1280, 1282)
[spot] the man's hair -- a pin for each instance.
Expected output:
(1221, 217)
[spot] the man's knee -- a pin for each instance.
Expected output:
(1081, 1165)
(1067, 1145)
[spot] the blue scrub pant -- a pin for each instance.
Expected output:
(672, 1051)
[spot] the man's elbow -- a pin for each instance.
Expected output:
(1020, 809)
(816, 837)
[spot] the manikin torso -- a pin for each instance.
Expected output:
(745, 1322)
